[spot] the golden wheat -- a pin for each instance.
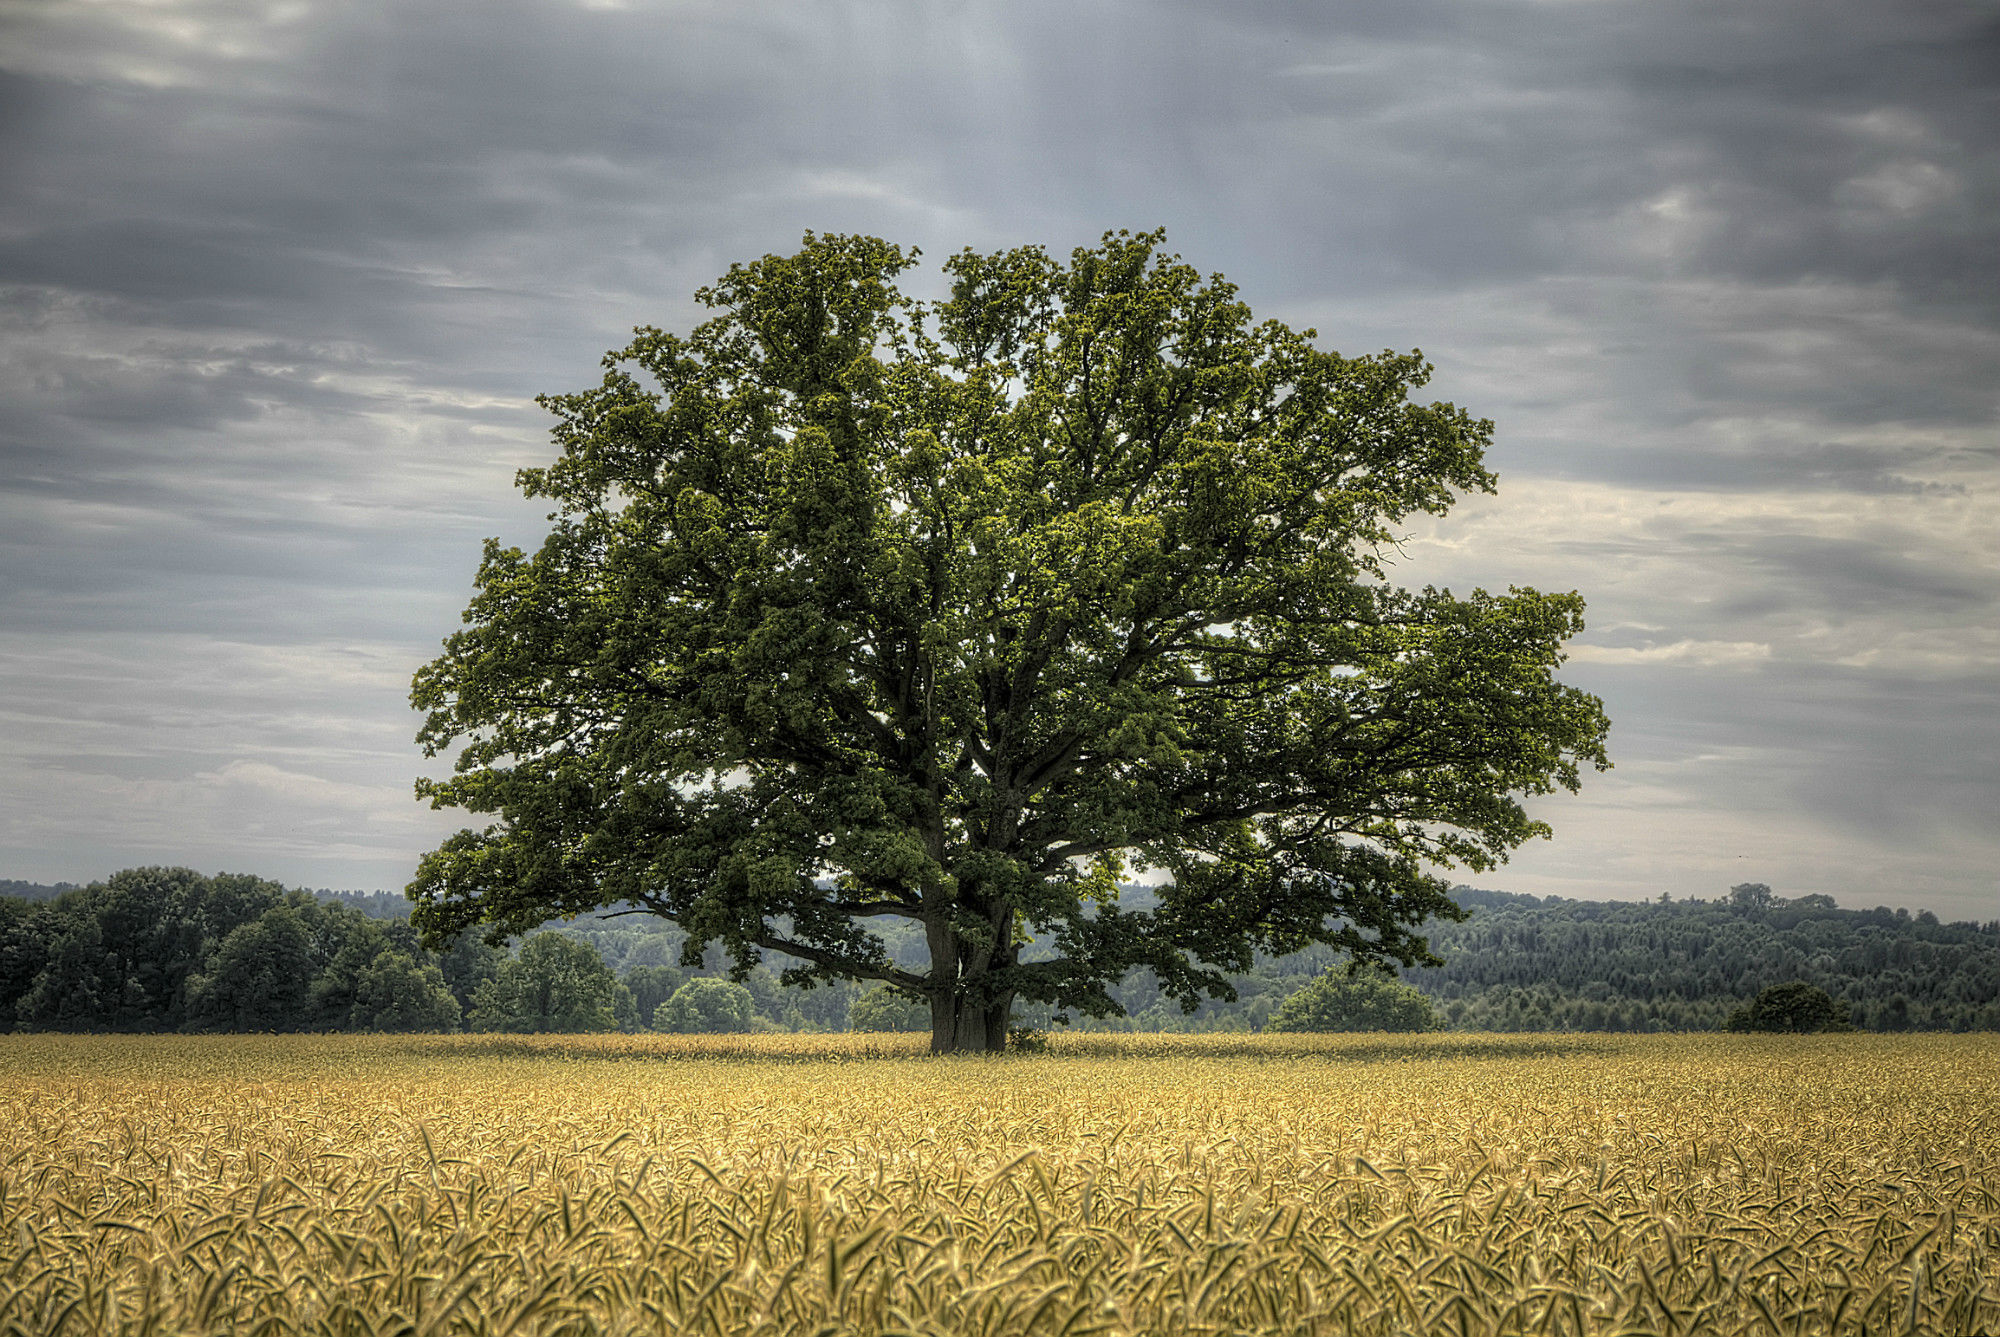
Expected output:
(1436, 1184)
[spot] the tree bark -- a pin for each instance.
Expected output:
(998, 1014)
(943, 945)
(965, 1019)
(962, 1024)
(971, 1036)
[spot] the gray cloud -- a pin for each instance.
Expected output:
(277, 286)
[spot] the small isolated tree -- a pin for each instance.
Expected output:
(858, 609)
(707, 1006)
(555, 984)
(883, 1009)
(1796, 1006)
(1362, 1000)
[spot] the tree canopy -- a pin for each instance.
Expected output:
(1792, 1006)
(706, 1006)
(856, 608)
(1361, 1000)
(555, 984)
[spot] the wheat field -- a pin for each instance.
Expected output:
(1280, 1184)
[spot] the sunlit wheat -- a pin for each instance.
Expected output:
(779, 1184)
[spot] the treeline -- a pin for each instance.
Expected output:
(167, 949)
(162, 949)
(1523, 963)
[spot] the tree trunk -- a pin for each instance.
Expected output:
(958, 1021)
(944, 1023)
(998, 1014)
(971, 1038)
(998, 1009)
(964, 1019)
(961, 1024)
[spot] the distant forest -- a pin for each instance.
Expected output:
(167, 949)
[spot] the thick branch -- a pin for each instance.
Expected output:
(839, 964)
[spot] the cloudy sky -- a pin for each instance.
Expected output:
(279, 279)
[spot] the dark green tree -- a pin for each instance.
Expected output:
(1364, 1000)
(555, 984)
(336, 985)
(69, 992)
(155, 936)
(25, 934)
(261, 978)
(151, 930)
(1795, 1006)
(860, 610)
(1751, 896)
(651, 986)
(397, 992)
(234, 899)
(356, 981)
(707, 1006)
(469, 962)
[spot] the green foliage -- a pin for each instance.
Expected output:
(555, 984)
(1362, 1000)
(166, 948)
(398, 993)
(14, 889)
(1523, 963)
(153, 924)
(335, 991)
(74, 987)
(1519, 963)
(1793, 1006)
(261, 978)
(297, 966)
(469, 963)
(1751, 896)
(976, 604)
(25, 936)
(120, 954)
(652, 986)
(883, 1009)
(1027, 1040)
(1526, 963)
(706, 1006)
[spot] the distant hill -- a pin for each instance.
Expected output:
(34, 891)
(374, 904)
(1547, 963)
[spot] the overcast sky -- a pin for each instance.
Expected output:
(279, 280)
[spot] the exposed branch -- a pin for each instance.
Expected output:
(841, 965)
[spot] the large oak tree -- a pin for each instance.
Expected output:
(857, 608)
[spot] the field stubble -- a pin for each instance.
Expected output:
(347, 1184)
